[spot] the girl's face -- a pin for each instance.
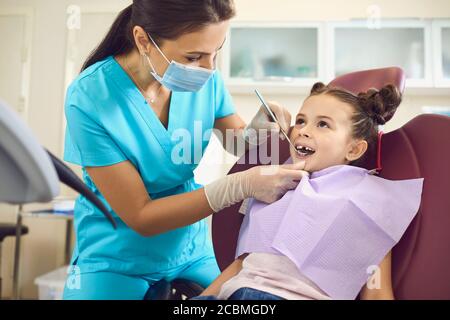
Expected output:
(324, 125)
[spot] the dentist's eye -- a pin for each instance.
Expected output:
(323, 122)
(193, 59)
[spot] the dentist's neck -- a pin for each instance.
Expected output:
(139, 70)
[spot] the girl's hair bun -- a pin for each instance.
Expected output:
(318, 87)
(381, 105)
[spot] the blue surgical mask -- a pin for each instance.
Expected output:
(180, 77)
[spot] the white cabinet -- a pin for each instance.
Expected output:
(441, 49)
(406, 44)
(275, 55)
(15, 57)
(290, 57)
(86, 28)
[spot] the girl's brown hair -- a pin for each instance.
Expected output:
(162, 19)
(372, 108)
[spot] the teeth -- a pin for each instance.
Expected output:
(302, 148)
(304, 151)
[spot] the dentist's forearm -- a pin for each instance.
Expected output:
(126, 193)
(229, 130)
(168, 213)
(180, 210)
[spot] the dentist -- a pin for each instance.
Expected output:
(153, 75)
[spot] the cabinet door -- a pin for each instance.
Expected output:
(15, 59)
(441, 53)
(273, 53)
(405, 45)
(86, 28)
(445, 54)
(84, 36)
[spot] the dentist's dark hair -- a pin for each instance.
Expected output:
(371, 109)
(162, 19)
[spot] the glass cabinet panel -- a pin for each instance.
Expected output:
(446, 52)
(362, 48)
(12, 33)
(81, 42)
(282, 53)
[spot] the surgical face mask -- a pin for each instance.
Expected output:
(180, 77)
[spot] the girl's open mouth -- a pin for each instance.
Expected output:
(303, 151)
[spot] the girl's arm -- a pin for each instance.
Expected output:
(385, 291)
(232, 270)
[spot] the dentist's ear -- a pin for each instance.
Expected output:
(356, 150)
(141, 39)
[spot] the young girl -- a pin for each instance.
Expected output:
(333, 128)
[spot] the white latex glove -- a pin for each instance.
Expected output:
(264, 183)
(263, 121)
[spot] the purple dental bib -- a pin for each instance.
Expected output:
(336, 226)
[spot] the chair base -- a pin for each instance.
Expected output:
(178, 289)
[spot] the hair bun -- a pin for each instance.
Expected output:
(317, 87)
(381, 105)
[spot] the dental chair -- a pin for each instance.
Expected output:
(421, 260)
(420, 148)
(28, 174)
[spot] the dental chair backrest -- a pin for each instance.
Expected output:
(421, 148)
(29, 173)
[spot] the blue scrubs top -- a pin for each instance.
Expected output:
(109, 121)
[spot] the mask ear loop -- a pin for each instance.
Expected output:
(379, 167)
(151, 64)
(157, 47)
